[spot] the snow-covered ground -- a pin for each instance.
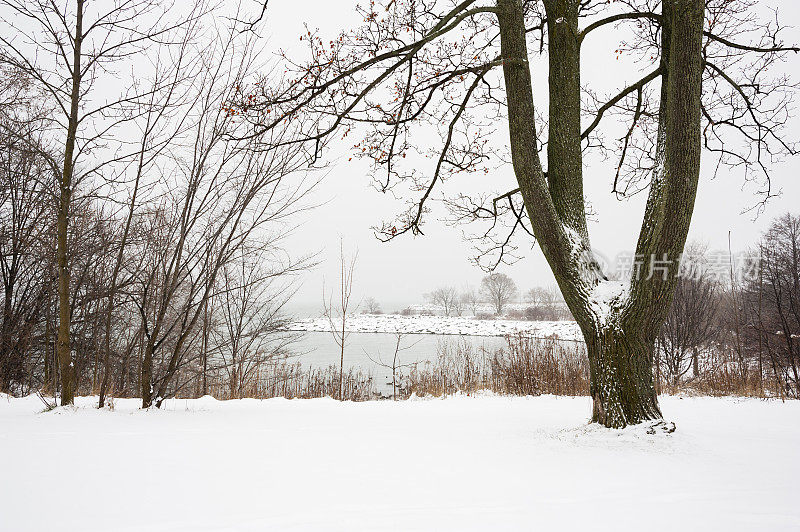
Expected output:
(393, 323)
(463, 463)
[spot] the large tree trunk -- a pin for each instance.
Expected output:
(621, 378)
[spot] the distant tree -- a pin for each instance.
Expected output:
(535, 296)
(499, 289)
(446, 298)
(458, 305)
(691, 322)
(546, 303)
(371, 306)
(471, 299)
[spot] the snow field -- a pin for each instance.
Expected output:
(462, 463)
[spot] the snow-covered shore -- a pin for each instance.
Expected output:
(394, 323)
(463, 463)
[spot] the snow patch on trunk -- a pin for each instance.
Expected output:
(606, 296)
(583, 256)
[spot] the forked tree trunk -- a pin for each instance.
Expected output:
(621, 378)
(620, 342)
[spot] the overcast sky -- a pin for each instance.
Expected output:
(399, 272)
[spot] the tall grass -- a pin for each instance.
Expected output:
(534, 366)
(292, 381)
(724, 373)
(526, 366)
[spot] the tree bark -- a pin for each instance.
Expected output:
(621, 378)
(564, 153)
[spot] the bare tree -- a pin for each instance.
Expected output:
(535, 295)
(162, 101)
(773, 303)
(458, 305)
(446, 298)
(225, 192)
(26, 222)
(395, 365)
(408, 68)
(251, 334)
(471, 299)
(499, 289)
(546, 304)
(339, 312)
(371, 306)
(692, 320)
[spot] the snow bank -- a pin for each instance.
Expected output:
(464, 463)
(393, 323)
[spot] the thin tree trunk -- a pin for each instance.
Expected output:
(205, 348)
(95, 345)
(63, 348)
(341, 362)
(147, 376)
(737, 320)
(48, 372)
(760, 335)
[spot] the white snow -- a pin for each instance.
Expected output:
(394, 323)
(606, 295)
(463, 463)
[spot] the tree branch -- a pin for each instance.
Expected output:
(638, 86)
(617, 18)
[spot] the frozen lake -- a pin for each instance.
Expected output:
(319, 349)
(372, 339)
